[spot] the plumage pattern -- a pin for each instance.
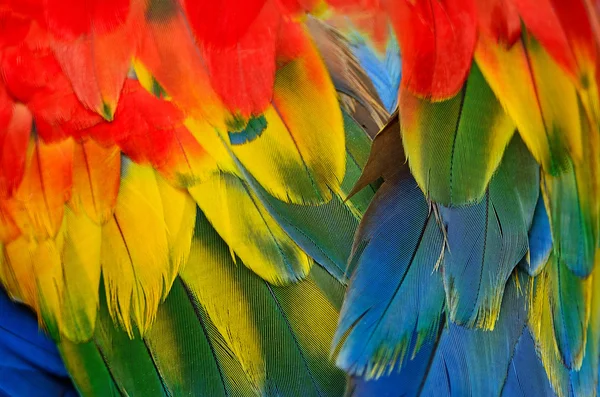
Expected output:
(261, 198)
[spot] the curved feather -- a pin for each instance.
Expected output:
(390, 270)
(540, 241)
(135, 251)
(487, 240)
(265, 325)
(469, 362)
(30, 364)
(250, 231)
(454, 147)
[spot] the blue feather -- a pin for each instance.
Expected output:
(470, 362)
(30, 364)
(540, 240)
(488, 239)
(526, 375)
(395, 297)
(384, 73)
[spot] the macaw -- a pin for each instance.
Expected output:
(299, 197)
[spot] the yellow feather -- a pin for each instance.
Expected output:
(19, 261)
(180, 217)
(562, 118)
(135, 251)
(302, 149)
(81, 273)
(508, 74)
(209, 139)
(48, 273)
(242, 221)
(210, 277)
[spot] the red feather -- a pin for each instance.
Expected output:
(500, 20)
(244, 74)
(437, 40)
(69, 19)
(564, 30)
(14, 140)
(221, 23)
(34, 77)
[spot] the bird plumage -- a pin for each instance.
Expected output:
(262, 198)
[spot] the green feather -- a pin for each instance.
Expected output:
(454, 147)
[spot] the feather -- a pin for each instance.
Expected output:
(565, 31)
(168, 52)
(386, 153)
(19, 271)
(395, 296)
(293, 142)
(242, 74)
(151, 130)
(38, 204)
(454, 147)
(540, 241)
(30, 363)
(488, 239)
(526, 375)
(94, 65)
(88, 369)
(243, 222)
(182, 334)
(570, 304)
(585, 380)
(135, 251)
(179, 211)
(187, 350)
(552, 304)
(385, 73)
(346, 70)
(469, 362)
(264, 325)
(562, 119)
(437, 40)
(508, 73)
(479, 359)
(570, 210)
(96, 176)
(15, 132)
(80, 276)
(325, 232)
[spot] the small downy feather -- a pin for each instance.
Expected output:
(394, 264)
(135, 251)
(488, 239)
(251, 233)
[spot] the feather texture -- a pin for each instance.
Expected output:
(487, 240)
(454, 147)
(389, 269)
